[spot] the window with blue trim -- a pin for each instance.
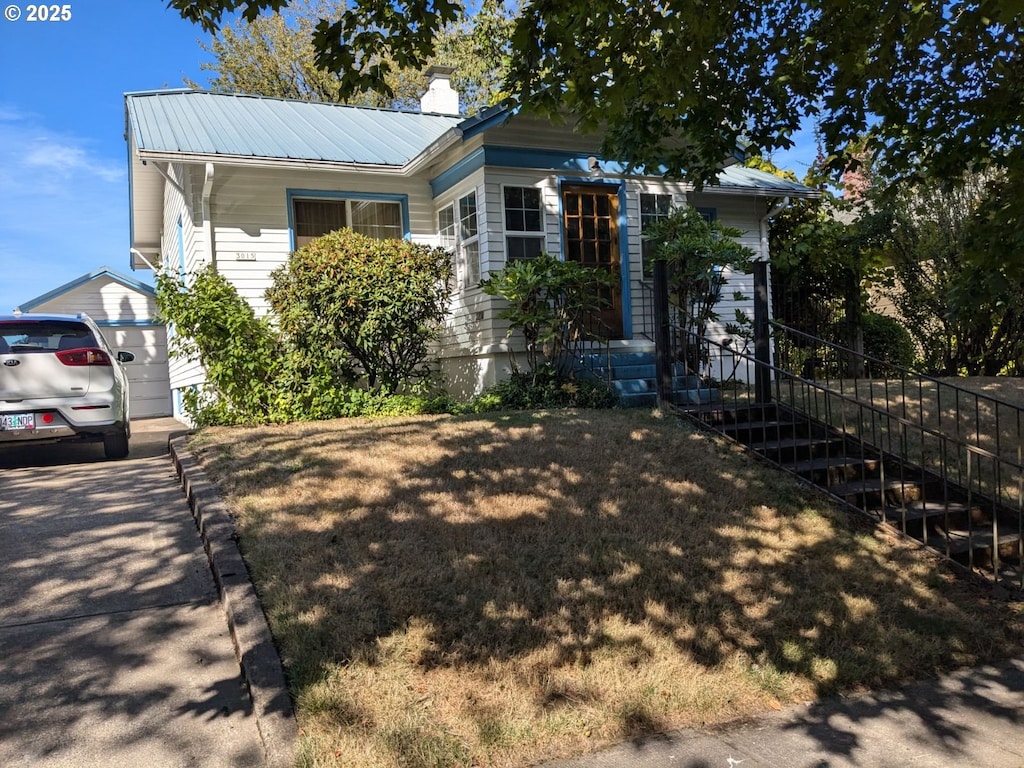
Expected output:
(459, 231)
(524, 223)
(380, 219)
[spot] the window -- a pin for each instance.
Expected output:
(380, 219)
(653, 208)
(459, 231)
(524, 223)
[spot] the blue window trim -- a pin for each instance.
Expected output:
(618, 185)
(332, 194)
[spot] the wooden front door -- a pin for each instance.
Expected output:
(591, 225)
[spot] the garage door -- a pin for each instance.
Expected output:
(148, 381)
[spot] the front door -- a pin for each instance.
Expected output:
(591, 223)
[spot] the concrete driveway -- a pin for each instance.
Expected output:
(114, 649)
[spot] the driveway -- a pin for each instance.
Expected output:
(114, 649)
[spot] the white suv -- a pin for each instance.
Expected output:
(60, 381)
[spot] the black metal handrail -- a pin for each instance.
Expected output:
(961, 472)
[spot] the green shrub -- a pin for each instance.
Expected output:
(352, 308)
(213, 325)
(552, 304)
(886, 339)
(544, 387)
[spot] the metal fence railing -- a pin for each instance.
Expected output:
(945, 462)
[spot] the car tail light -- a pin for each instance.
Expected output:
(84, 356)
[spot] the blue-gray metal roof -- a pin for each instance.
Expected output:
(738, 177)
(235, 125)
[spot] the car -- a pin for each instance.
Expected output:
(61, 382)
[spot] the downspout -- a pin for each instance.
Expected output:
(764, 225)
(762, 334)
(207, 215)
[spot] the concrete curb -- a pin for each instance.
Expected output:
(254, 646)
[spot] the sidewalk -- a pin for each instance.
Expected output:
(972, 718)
(115, 648)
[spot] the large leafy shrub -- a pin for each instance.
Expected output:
(215, 326)
(355, 309)
(551, 303)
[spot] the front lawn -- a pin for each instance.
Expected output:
(501, 590)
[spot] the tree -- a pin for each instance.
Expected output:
(966, 320)
(273, 55)
(939, 84)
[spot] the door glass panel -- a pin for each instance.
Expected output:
(590, 230)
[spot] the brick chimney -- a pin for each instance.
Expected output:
(440, 98)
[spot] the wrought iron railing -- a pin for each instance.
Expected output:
(946, 462)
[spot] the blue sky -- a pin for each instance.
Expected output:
(63, 158)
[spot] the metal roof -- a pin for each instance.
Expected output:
(236, 125)
(738, 177)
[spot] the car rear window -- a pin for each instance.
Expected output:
(44, 336)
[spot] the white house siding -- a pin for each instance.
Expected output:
(252, 238)
(525, 131)
(126, 319)
(743, 213)
(250, 217)
(472, 333)
(183, 205)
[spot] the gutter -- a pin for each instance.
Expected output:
(263, 162)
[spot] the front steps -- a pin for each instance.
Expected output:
(969, 530)
(633, 376)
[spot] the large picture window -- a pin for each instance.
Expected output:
(524, 223)
(381, 219)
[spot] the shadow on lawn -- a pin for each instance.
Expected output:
(582, 535)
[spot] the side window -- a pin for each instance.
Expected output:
(653, 208)
(524, 223)
(469, 239)
(459, 231)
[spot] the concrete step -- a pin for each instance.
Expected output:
(961, 541)
(792, 449)
(703, 396)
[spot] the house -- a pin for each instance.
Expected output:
(125, 309)
(240, 181)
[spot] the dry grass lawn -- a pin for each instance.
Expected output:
(497, 591)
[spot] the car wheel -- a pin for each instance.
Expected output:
(115, 446)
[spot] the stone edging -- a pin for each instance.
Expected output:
(254, 646)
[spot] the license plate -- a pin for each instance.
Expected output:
(13, 421)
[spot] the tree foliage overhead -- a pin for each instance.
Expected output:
(940, 84)
(273, 55)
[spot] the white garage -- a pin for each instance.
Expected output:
(124, 309)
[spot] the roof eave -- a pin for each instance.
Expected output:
(274, 162)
